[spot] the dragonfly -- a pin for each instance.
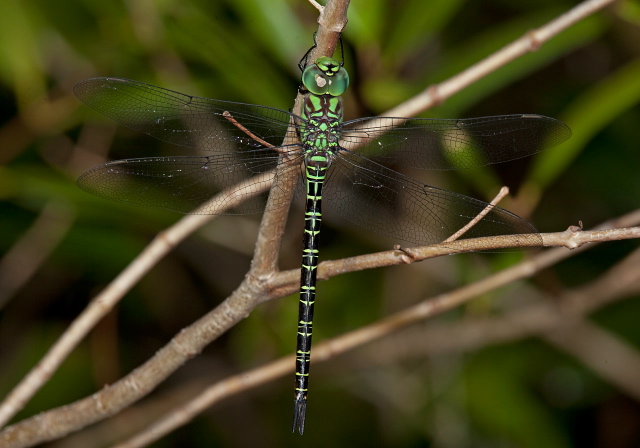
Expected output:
(345, 163)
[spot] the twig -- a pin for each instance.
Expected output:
(501, 194)
(135, 418)
(213, 394)
(317, 5)
(332, 20)
(559, 320)
(265, 257)
(265, 260)
(283, 283)
(228, 116)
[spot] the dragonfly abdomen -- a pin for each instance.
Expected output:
(316, 167)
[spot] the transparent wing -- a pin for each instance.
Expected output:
(186, 184)
(453, 144)
(380, 199)
(184, 120)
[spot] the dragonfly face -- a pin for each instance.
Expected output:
(326, 76)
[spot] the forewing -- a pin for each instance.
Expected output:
(190, 121)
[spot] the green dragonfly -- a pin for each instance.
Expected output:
(339, 161)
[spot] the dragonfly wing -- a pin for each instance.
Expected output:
(184, 120)
(453, 144)
(385, 201)
(186, 184)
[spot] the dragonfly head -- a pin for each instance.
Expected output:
(326, 76)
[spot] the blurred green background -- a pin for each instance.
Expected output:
(521, 393)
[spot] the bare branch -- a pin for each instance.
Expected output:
(540, 317)
(265, 260)
(332, 20)
(283, 282)
(213, 394)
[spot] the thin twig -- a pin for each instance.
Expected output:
(284, 282)
(317, 5)
(228, 116)
(501, 194)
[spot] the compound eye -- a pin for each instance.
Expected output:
(315, 80)
(339, 82)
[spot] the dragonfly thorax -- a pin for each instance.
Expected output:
(322, 119)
